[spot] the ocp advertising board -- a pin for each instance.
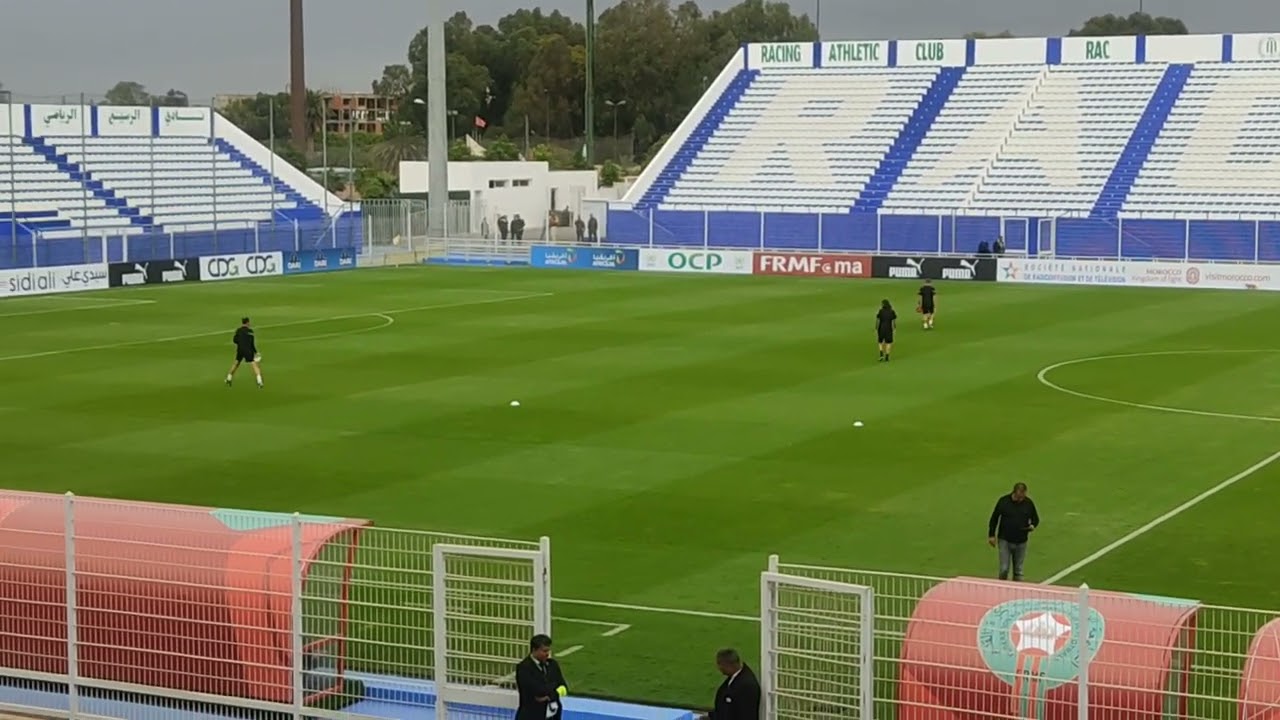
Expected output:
(706, 262)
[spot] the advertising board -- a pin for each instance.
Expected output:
(550, 256)
(319, 261)
(707, 262)
(123, 121)
(920, 267)
(232, 267)
(153, 272)
(1141, 273)
(812, 265)
(46, 281)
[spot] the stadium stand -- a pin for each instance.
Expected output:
(82, 184)
(1160, 147)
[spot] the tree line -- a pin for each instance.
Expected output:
(523, 78)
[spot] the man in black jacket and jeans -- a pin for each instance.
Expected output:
(1012, 520)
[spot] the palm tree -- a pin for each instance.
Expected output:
(317, 111)
(400, 143)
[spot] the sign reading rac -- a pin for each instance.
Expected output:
(1097, 50)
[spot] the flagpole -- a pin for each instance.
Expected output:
(13, 181)
(271, 162)
(84, 179)
(213, 155)
(324, 151)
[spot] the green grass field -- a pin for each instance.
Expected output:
(674, 431)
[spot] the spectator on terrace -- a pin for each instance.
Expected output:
(503, 227)
(984, 248)
(517, 227)
(593, 230)
(999, 247)
(579, 229)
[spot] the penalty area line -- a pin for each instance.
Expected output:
(1103, 552)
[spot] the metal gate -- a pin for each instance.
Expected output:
(486, 604)
(816, 651)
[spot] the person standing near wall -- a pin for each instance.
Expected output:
(738, 697)
(540, 683)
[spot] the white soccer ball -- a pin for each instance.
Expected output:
(857, 423)
(515, 403)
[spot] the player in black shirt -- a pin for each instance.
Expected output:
(927, 291)
(246, 351)
(886, 323)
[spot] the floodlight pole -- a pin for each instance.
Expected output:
(437, 131)
(590, 103)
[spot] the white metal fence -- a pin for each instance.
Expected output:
(947, 648)
(107, 607)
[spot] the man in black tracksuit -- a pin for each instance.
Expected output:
(1012, 520)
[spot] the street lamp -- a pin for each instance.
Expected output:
(615, 105)
(453, 116)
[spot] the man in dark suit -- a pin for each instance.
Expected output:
(738, 697)
(540, 683)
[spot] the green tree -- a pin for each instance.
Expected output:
(610, 174)
(459, 151)
(396, 82)
(502, 149)
(253, 115)
(127, 92)
(173, 98)
(551, 93)
(375, 184)
(1138, 23)
(400, 143)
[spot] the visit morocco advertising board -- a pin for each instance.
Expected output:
(1140, 273)
(707, 262)
(812, 265)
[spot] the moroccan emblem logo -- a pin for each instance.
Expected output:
(1193, 276)
(1031, 646)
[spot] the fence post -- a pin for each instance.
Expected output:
(295, 594)
(879, 229)
(761, 230)
(257, 237)
(1119, 238)
(820, 216)
(650, 227)
(73, 643)
(1257, 238)
(1082, 642)
(1186, 240)
(297, 237)
(953, 230)
(706, 228)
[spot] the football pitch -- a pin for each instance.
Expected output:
(676, 430)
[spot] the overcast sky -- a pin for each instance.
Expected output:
(52, 48)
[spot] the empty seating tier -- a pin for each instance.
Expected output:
(1055, 140)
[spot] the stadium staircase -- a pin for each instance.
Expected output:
(95, 187)
(688, 152)
(1143, 139)
(306, 210)
(908, 141)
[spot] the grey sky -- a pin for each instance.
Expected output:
(52, 48)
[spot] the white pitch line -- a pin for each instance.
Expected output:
(614, 628)
(195, 336)
(567, 651)
(80, 308)
(1043, 377)
(1165, 517)
(659, 610)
